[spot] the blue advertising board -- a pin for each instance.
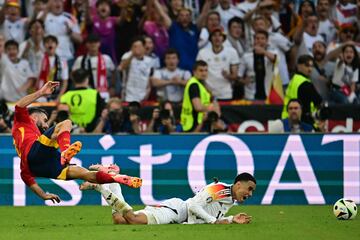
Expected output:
(290, 169)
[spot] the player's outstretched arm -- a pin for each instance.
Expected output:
(46, 196)
(47, 89)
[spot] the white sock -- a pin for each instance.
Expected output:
(116, 189)
(116, 203)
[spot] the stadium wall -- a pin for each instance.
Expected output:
(290, 169)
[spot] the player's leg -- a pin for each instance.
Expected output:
(62, 135)
(76, 172)
(123, 212)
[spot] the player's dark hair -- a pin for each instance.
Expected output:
(244, 177)
(80, 75)
(33, 110)
(11, 43)
(199, 63)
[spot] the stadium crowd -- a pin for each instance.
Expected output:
(113, 57)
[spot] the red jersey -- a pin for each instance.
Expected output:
(25, 133)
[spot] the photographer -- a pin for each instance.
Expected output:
(5, 118)
(293, 123)
(114, 119)
(163, 120)
(212, 124)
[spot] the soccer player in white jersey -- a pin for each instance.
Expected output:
(208, 206)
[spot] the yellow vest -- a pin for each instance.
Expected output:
(82, 104)
(187, 119)
(292, 92)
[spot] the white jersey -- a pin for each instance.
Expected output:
(210, 204)
(173, 210)
(14, 30)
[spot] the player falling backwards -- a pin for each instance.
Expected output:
(208, 206)
(37, 146)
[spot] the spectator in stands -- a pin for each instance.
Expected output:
(99, 66)
(266, 9)
(149, 51)
(323, 70)
(37, 10)
(33, 48)
(346, 35)
(104, 26)
(174, 8)
(223, 63)
(132, 13)
(115, 119)
(212, 22)
(170, 80)
(53, 68)
(305, 37)
(81, 10)
(138, 68)
(247, 10)
(256, 68)
(326, 27)
(184, 35)
(299, 15)
(227, 11)
(11, 24)
(17, 76)
(236, 37)
(2, 44)
(84, 103)
(293, 122)
(277, 42)
(346, 76)
(64, 26)
(155, 28)
(197, 99)
(345, 12)
(5, 117)
(301, 87)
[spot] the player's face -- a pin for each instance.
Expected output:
(243, 190)
(40, 121)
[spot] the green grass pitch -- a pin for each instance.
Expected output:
(94, 222)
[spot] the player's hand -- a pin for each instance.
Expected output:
(242, 218)
(53, 197)
(48, 88)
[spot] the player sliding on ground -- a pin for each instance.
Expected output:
(208, 206)
(37, 146)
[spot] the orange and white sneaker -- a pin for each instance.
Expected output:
(88, 186)
(70, 152)
(112, 169)
(133, 182)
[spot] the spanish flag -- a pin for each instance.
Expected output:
(276, 94)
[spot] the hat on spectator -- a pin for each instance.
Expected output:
(218, 29)
(92, 38)
(12, 3)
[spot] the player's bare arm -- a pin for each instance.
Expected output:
(47, 89)
(46, 196)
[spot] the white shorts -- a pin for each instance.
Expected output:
(170, 211)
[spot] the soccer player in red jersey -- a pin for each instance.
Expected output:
(37, 146)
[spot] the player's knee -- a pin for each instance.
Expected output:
(65, 125)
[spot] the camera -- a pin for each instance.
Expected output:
(323, 113)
